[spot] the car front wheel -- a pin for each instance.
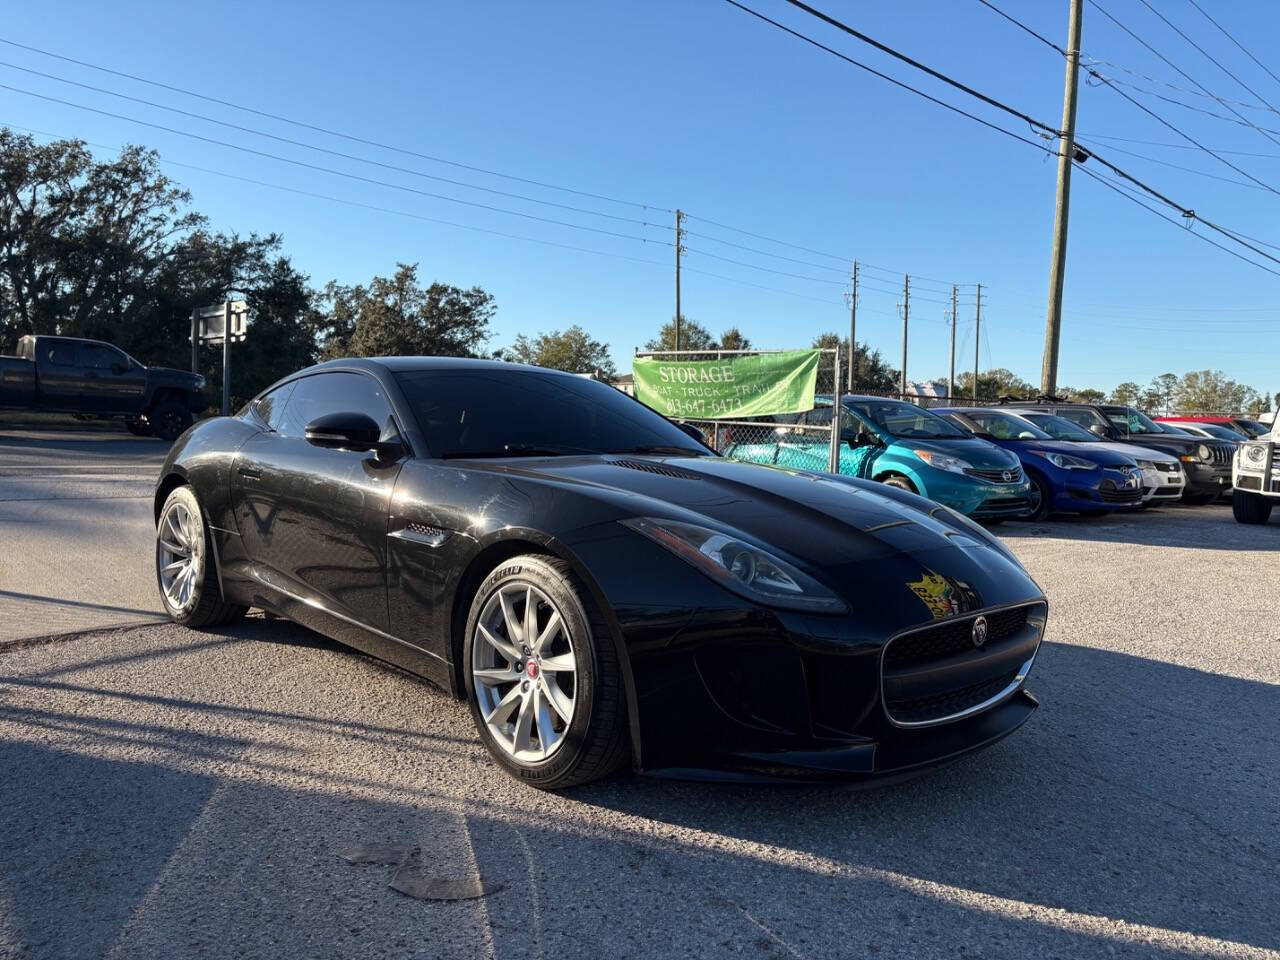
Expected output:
(1250, 507)
(185, 573)
(542, 676)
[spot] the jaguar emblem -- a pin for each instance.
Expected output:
(980, 632)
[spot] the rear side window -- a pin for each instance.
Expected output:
(97, 357)
(325, 393)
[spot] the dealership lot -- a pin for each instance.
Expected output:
(170, 793)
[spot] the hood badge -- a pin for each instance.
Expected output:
(980, 632)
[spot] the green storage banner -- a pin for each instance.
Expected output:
(746, 386)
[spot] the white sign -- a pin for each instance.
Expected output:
(211, 320)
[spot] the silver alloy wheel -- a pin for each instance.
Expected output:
(524, 671)
(179, 555)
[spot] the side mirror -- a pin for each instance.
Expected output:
(344, 431)
(1098, 430)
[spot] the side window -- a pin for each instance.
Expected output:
(325, 393)
(1081, 418)
(98, 357)
(818, 417)
(60, 353)
(270, 407)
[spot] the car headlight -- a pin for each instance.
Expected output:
(941, 461)
(1255, 453)
(743, 568)
(1066, 461)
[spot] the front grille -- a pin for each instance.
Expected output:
(1223, 454)
(1166, 467)
(937, 674)
(1112, 495)
(1010, 475)
(953, 636)
(924, 709)
(1003, 504)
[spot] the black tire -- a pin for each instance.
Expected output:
(204, 606)
(1042, 497)
(594, 742)
(1250, 507)
(1199, 499)
(899, 481)
(169, 419)
(139, 428)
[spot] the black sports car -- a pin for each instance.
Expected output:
(596, 583)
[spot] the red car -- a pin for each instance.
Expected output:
(1242, 425)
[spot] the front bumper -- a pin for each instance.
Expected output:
(978, 499)
(1102, 490)
(1205, 478)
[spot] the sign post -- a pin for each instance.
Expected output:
(220, 323)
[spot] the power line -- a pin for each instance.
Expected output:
(329, 132)
(1022, 26)
(1180, 71)
(1178, 87)
(328, 170)
(325, 150)
(1178, 146)
(1177, 166)
(1187, 213)
(1235, 41)
(1209, 57)
(1182, 103)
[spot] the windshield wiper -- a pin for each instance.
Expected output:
(516, 450)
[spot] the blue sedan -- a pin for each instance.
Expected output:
(1062, 479)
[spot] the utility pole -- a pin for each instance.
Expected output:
(226, 358)
(977, 332)
(679, 250)
(906, 314)
(1066, 152)
(853, 325)
(951, 377)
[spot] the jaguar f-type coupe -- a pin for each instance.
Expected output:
(601, 587)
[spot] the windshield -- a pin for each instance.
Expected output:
(1005, 426)
(492, 412)
(1252, 428)
(1130, 420)
(900, 419)
(1221, 432)
(1060, 429)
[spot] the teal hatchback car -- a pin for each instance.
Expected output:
(905, 446)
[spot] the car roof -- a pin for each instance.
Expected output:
(410, 364)
(1213, 418)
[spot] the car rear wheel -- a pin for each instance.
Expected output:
(169, 419)
(542, 676)
(1250, 507)
(901, 482)
(185, 572)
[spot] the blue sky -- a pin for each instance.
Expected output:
(693, 104)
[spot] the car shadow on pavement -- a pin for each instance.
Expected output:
(1175, 525)
(1141, 791)
(1135, 814)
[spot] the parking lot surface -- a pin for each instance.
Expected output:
(180, 794)
(75, 527)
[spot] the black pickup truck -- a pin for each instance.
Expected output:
(96, 379)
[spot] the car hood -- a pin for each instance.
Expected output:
(173, 375)
(974, 451)
(1104, 454)
(837, 527)
(1138, 452)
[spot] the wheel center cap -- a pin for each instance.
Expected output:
(531, 670)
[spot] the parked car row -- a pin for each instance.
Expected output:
(1021, 459)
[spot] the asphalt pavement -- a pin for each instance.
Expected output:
(168, 793)
(75, 527)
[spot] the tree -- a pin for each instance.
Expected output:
(1082, 395)
(1126, 393)
(870, 372)
(732, 339)
(396, 316)
(1163, 388)
(994, 384)
(572, 350)
(1209, 391)
(694, 337)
